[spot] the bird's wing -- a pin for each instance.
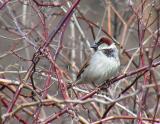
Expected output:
(86, 63)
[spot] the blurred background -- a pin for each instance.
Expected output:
(42, 49)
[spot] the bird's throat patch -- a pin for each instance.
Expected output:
(109, 52)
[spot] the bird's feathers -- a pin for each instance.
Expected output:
(102, 65)
(84, 66)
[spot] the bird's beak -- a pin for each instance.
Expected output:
(94, 46)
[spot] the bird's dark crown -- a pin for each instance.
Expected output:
(104, 40)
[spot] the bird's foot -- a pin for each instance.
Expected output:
(107, 84)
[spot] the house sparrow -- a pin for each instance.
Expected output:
(102, 65)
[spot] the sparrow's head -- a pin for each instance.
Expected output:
(103, 43)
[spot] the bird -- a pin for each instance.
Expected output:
(102, 65)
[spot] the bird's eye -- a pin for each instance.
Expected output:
(99, 43)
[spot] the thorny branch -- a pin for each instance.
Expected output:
(41, 92)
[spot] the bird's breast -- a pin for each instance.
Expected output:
(102, 68)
